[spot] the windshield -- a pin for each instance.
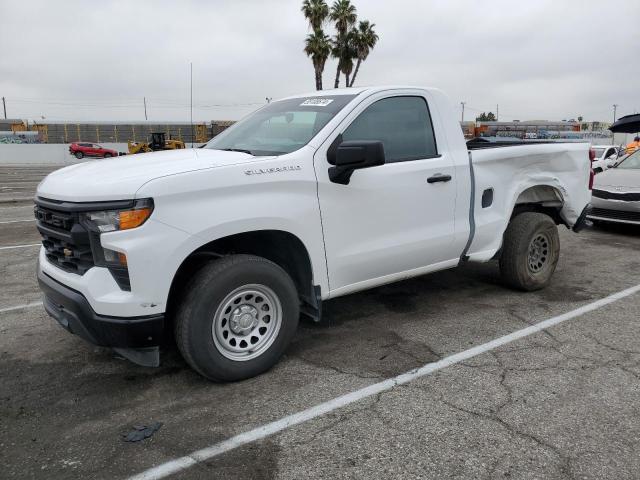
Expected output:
(632, 161)
(280, 127)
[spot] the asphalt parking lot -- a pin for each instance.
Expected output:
(561, 403)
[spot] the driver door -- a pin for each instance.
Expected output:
(390, 221)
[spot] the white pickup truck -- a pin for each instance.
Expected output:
(308, 198)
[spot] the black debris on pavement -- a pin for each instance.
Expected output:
(140, 432)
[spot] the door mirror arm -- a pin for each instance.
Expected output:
(354, 155)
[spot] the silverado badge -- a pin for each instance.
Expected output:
(261, 171)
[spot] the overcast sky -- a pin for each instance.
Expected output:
(96, 60)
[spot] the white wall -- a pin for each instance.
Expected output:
(44, 154)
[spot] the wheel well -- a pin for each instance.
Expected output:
(282, 248)
(543, 199)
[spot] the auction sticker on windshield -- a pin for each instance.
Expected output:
(316, 102)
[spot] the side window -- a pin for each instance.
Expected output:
(402, 124)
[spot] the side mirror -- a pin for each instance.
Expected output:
(354, 155)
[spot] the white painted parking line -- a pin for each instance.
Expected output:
(182, 463)
(18, 221)
(21, 246)
(20, 307)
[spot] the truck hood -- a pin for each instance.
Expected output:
(120, 178)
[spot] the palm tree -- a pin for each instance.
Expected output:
(316, 12)
(343, 13)
(349, 53)
(318, 47)
(364, 39)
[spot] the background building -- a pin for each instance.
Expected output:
(21, 131)
(530, 129)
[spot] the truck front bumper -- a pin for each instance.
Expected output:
(136, 338)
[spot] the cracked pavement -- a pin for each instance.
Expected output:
(560, 404)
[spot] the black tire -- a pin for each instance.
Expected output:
(530, 251)
(597, 170)
(107, 155)
(79, 155)
(208, 291)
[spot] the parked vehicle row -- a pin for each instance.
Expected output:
(604, 157)
(616, 192)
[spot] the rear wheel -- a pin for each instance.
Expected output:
(79, 155)
(530, 251)
(237, 318)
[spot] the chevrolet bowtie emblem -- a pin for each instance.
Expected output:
(67, 252)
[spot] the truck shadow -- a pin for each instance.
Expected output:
(627, 230)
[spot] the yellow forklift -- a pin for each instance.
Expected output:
(158, 142)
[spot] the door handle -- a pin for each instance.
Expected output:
(439, 177)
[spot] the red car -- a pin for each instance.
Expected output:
(84, 149)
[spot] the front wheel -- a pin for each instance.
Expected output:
(79, 155)
(237, 317)
(530, 251)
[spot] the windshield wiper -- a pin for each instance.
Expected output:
(242, 150)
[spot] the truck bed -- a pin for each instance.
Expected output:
(549, 173)
(480, 143)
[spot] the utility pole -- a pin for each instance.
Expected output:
(144, 99)
(497, 112)
(613, 135)
(463, 104)
(4, 106)
(191, 120)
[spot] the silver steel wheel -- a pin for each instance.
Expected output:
(247, 322)
(539, 253)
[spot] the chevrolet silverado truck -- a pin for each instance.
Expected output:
(309, 198)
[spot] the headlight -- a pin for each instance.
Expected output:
(112, 220)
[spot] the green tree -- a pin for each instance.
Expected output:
(364, 38)
(486, 117)
(344, 16)
(318, 47)
(316, 13)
